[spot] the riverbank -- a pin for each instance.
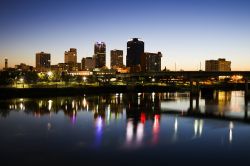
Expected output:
(81, 90)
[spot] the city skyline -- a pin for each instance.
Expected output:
(186, 33)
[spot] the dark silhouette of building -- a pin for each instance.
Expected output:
(151, 62)
(135, 49)
(23, 67)
(116, 58)
(100, 54)
(6, 63)
(42, 61)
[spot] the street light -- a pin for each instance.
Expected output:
(50, 76)
(84, 79)
(22, 81)
(50, 73)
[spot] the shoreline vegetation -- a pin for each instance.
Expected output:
(13, 92)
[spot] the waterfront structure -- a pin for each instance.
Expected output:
(42, 61)
(88, 63)
(135, 49)
(218, 65)
(116, 60)
(80, 73)
(151, 62)
(70, 56)
(104, 72)
(100, 54)
(123, 70)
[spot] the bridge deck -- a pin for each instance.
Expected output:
(187, 74)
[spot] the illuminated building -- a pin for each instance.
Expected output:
(42, 61)
(70, 61)
(66, 67)
(116, 59)
(122, 70)
(80, 73)
(151, 62)
(100, 54)
(218, 65)
(88, 63)
(70, 56)
(135, 49)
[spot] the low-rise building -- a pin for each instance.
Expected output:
(218, 65)
(151, 62)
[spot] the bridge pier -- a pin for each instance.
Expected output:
(194, 89)
(198, 103)
(247, 94)
(246, 109)
(191, 109)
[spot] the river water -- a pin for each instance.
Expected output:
(126, 129)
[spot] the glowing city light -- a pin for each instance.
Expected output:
(50, 73)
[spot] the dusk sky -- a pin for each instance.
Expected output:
(187, 32)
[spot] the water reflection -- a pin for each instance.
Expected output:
(231, 126)
(142, 112)
(98, 130)
(198, 127)
(162, 124)
(156, 128)
(219, 103)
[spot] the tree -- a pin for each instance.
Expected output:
(31, 77)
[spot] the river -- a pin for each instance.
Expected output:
(126, 129)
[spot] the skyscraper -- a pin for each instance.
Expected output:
(100, 54)
(42, 61)
(135, 49)
(70, 56)
(116, 58)
(151, 62)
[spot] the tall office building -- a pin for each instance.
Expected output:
(218, 65)
(70, 56)
(116, 60)
(135, 49)
(151, 62)
(100, 54)
(42, 61)
(88, 63)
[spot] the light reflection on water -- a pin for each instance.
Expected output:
(126, 122)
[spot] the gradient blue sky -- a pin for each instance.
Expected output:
(187, 32)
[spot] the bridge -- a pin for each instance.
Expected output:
(190, 76)
(186, 74)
